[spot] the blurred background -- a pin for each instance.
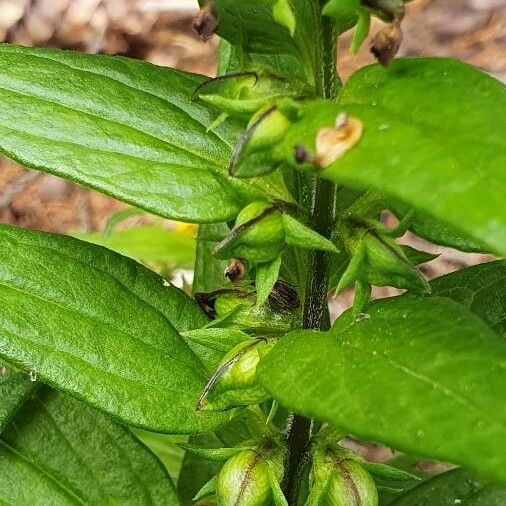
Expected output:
(159, 31)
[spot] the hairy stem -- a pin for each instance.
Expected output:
(315, 310)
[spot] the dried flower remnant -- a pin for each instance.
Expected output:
(205, 22)
(386, 43)
(333, 142)
(236, 270)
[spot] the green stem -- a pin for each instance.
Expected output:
(315, 309)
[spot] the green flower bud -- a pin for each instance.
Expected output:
(258, 235)
(246, 478)
(234, 383)
(340, 481)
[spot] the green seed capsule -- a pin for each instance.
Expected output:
(340, 482)
(244, 481)
(351, 485)
(252, 477)
(238, 309)
(234, 382)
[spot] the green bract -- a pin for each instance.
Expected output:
(377, 260)
(261, 231)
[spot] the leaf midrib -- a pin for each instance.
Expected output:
(59, 430)
(124, 83)
(449, 392)
(102, 323)
(212, 164)
(44, 471)
(133, 265)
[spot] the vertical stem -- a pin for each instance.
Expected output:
(315, 310)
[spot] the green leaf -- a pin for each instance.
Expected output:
(101, 327)
(407, 374)
(436, 232)
(58, 451)
(481, 289)
(361, 31)
(149, 244)
(164, 446)
(442, 161)
(213, 454)
(283, 14)
(254, 26)
(417, 257)
(278, 497)
(212, 344)
(297, 234)
(458, 486)
(387, 472)
(123, 127)
(207, 489)
(120, 217)
(421, 146)
(345, 13)
(15, 389)
(266, 276)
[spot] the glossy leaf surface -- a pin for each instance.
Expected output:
(481, 289)
(408, 374)
(59, 451)
(458, 486)
(122, 127)
(101, 327)
(423, 146)
(15, 388)
(418, 143)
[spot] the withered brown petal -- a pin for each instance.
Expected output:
(386, 43)
(205, 22)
